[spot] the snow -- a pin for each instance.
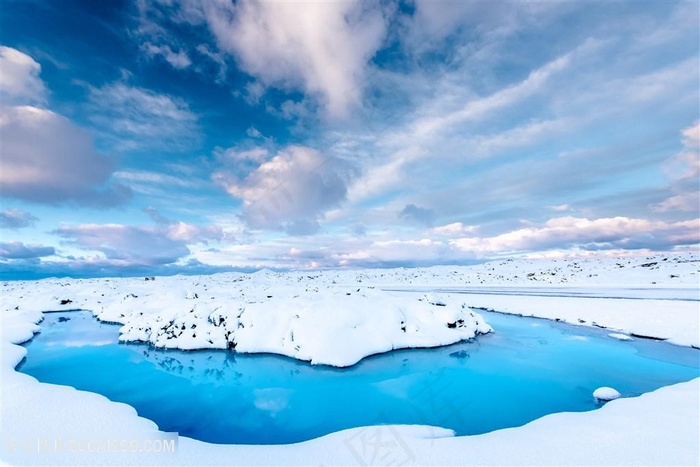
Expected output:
(261, 313)
(619, 336)
(337, 318)
(606, 394)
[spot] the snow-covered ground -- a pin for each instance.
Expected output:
(338, 317)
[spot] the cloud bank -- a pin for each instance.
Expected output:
(45, 157)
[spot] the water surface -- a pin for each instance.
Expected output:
(526, 369)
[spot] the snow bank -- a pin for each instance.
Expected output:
(259, 313)
(677, 322)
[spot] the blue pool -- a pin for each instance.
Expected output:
(526, 369)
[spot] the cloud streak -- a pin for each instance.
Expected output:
(132, 118)
(573, 232)
(16, 219)
(19, 250)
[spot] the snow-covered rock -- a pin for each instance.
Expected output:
(321, 325)
(606, 394)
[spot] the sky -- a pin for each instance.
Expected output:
(147, 137)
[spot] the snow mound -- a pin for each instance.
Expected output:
(321, 325)
(606, 394)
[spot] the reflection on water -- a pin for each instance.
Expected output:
(526, 369)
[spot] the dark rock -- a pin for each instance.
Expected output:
(460, 354)
(654, 338)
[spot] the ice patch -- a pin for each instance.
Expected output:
(619, 336)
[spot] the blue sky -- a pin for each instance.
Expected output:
(170, 136)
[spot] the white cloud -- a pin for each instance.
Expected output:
(254, 91)
(400, 252)
(160, 183)
(291, 191)
(687, 202)
(132, 245)
(441, 125)
(179, 60)
(565, 232)
(46, 159)
(683, 173)
(154, 178)
(434, 21)
(253, 132)
(190, 233)
(234, 155)
(477, 108)
(519, 136)
(216, 58)
(456, 229)
(164, 243)
(19, 78)
(560, 207)
(321, 48)
(684, 166)
(691, 136)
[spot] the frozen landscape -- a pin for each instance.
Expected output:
(393, 232)
(337, 318)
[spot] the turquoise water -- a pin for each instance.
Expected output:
(526, 369)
